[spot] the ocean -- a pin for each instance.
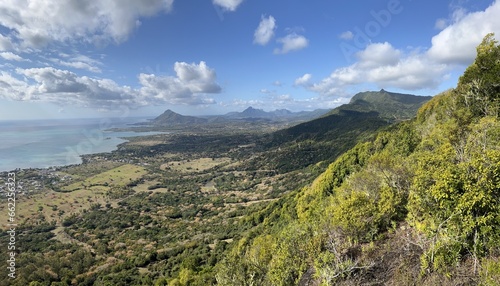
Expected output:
(45, 143)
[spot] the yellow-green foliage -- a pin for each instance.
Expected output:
(438, 174)
(310, 200)
(490, 272)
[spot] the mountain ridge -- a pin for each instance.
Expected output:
(389, 105)
(170, 117)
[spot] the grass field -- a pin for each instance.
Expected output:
(202, 164)
(55, 206)
(76, 197)
(117, 177)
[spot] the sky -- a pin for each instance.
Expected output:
(112, 58)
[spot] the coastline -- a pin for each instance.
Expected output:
(59, 143)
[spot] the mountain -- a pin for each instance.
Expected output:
(276, 115)
(415, 205)
(251, 112)
(389, 105)
(172, 118)
(326, 137)
(365, 109)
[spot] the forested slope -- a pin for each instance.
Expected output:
(416, 206)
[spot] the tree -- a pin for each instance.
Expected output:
(479, 85)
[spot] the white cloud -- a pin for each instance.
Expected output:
(13, 88)
(347, 35)
(291, 42)
(198, 78)
(457, 43)
(67, 88)
(303, 80)
(230, 5)
(378, 54)
(383, 65)
(5, 43)
(190, 86)
(458, 14)
(77, 65)
(265, 31)
(410, 73)
(37, 23)
(11, 56)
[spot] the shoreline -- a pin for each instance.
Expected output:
(39, 152)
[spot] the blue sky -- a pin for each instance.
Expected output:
(75, 58)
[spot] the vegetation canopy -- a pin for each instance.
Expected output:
(418, 205)
(372, 193)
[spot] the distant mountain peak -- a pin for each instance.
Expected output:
(254, 112)
(170, 117)
(251, 109)
(169, 111)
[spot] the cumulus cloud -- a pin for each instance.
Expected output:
(190, 86)
(303, 80)
(457, 43)
(78, 62)
(191, 81)
(37, 23)
(64, 87)
(13, 88)
(378, 54)
(11, 56)
(265, 31)
(291, 42)
(385, 66)
(229, 5)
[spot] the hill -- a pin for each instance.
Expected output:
(389, 105)
(277, 115)
(169, 118)
(172, 119)
(324, 138)
(411, 203)
(417, 205)
(380, 107)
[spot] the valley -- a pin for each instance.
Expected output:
(203, 204)
(139, 213)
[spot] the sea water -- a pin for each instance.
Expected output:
(46, 143)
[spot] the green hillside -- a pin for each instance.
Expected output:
(403, 202)
(418, 205)
(389, 105)
(325, 138)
